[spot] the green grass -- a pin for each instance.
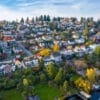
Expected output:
(43, 91)
(12, 95)
(47, 93)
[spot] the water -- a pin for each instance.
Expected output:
(95, 95)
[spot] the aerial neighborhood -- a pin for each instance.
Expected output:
(54, 52)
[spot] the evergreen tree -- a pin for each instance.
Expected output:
(54, 19)
(42, 77)
(41, 63)
(65, 85)
(45, 18)
(82, 20)
(97, 52)
(58, 19)
(50, 70)
(41, 18)
(22, 21)
(33, 20)
(48, 18)
(37, 19)
(59, 77)
(27, 20)
(86, 30)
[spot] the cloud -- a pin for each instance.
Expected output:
(15, 9)
(9, 14)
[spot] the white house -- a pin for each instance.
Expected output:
(80, 41)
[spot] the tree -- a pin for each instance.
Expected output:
(86, 30)
(28, 91)
(48, 18)
(41, 18)
(22, 21)
(37, 19)
(97, 51)
(27, 71)
(82, 20)
(45, 18)
(91, 74)
(45, 52)
(56, 48)
(42, 77)
(27, 20)
(59, 76)
(1, 50)
(58, 18)
(91, 22)
(82, 84)
(87, 86)
(65, 85)
(68, 33)
(50, 70)
(1, 97)
(31, 79)
(33, 20)
(41, 63)
(25, 82)
(12, 83)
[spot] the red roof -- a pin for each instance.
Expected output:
(8, 38)
(37, 55)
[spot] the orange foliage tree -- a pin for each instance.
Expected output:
(56, 48)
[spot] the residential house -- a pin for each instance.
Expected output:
(3, 44)
(33, 98)
(71, 42)
(97, 38)
(7, 68)
(56, 57)
(47, 60)
(93, 47)
(8, 51)
(80, 41)
(18, 50)
(8, 36)
(31, 62)
(79, 52)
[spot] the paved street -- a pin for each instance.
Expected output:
(28, 53)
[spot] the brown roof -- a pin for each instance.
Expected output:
(80, 64)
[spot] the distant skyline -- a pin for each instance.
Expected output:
(15, 9)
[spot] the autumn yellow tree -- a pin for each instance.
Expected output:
(83, 84)
(87, 86)
(91, 74)
(25, 82)
(56, 48)
(79, 82)
(45, 52)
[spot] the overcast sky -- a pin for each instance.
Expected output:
(15, 9)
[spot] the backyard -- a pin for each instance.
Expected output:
(45, 92)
